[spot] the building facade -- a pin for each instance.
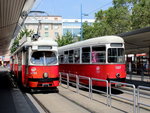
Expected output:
(46, 26)
(74, 26)
(52, 26)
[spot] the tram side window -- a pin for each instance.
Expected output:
(61, 58)
(66, 57)
(86, 55)
(77, 56)
(116, 55)
(98, 54)
(71, 52)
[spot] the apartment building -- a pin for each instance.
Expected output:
(74, 26)
(52, 26)
(46, 26)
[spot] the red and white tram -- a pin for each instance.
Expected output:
(101, 57)
(35, 63)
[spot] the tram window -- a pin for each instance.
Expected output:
(77, 56)
(71, 56)
(66, 57)
(50, 58)
(116, 55)
(43, 58)
(86, 55)
(116, 44)
(101, 48)
(37, 58)
(66, 52)
(98, 54)
(61, 58)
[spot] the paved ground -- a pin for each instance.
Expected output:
(136, 79)
(12, 99)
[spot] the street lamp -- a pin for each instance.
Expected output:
(82, 14)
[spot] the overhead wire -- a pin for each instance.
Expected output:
(99, 8)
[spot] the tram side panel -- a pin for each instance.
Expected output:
(105, 72)
(101, 58)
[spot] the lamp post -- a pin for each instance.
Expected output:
(82, 14)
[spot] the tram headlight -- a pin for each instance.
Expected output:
(118, 75)
(45, 75)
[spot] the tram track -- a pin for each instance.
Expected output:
(40, 104)
(47, 109)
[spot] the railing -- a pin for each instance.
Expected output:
(72, 82)
(64, 79)
(92, 89)
(143, 95)
(127, 85)
(77, 80)
(82, 85)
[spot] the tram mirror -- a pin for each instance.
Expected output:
(35, 37)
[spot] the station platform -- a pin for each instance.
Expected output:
(138, 80)
(12, 100)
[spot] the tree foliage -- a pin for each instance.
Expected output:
(124, 16)
(64, 40)
(23, 32)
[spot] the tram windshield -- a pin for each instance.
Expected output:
(43, 58)
(115, 55)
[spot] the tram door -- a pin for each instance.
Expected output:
(26, 67)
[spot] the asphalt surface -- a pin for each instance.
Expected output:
(12, 100)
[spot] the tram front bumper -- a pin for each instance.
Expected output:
(43, 82)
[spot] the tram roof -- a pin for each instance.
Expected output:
(94, 41)
(137, 41)
(41, 41)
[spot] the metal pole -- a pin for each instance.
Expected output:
(60, 79)
(81, 25)
(149, 65)
(138, 100)
(39, 22)
(110, 94)
(107, 92)
(67, 80)
(134, 99)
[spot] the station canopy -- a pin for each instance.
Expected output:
(12, 16)
(137, 41)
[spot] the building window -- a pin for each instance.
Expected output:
(55, 18)
(56, 34)
(46, 34)
(56, 26)
(46, 27)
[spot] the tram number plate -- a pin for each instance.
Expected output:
(45, 85)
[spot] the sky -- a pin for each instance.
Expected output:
(71, 9)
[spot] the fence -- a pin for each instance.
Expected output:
(143, 95)
(100, 80)
(65, 77)
(127, 85)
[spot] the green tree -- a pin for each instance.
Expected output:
(141, 14)
(23, 32)
(124, 16)
(64, 40)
